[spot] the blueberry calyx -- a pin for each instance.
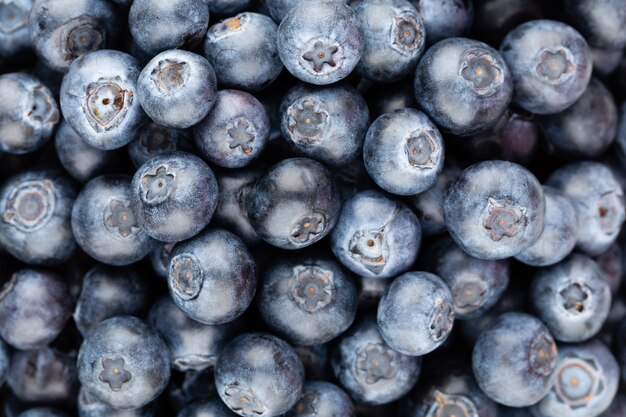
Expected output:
(573, 297)
(504, 219)
(321, 53)
(307, 121)
(578, 382)
(308, 228)
(405, 34)
(114, 374)
(555, 66)
(243, 401)
(84, 35)
(106, 103)
(170, 75)
(440, 320)
(376, 362)
(420, 147)
(186, 276)
(156, 187)
(30, 205)
(241, 135)
(313, 287)
(12, 17)
(451, 406)
(481, 69)
(120, 219)
(543, 354)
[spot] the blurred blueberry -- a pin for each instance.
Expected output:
(177, 88)
(605, 61)
(612, 263)
(322, 399)
(14, 35)
(550, 63)
(154, 139)
(601, 22)
(43, 412)
(259, 374)
(160, 259)
(444, 19)
(124, 362)
(206, 408)
(493, 19)
(212, 277)
(90, 406)
(229, 7)
(104, 224)
(278, 8)
(376, 236)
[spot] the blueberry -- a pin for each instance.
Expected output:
(428, 205)
(35, 225)
(212, 277)
(259, 374)
(229, 7)
(403, 152)
(81, 160)
(44, 376)
(324, 123)
(90, 406)
(98, 98)
(587, 127)
(154, 139)
(42, 412)
(105, 225)
(612, 263)
(586, 381)
(206, 408)
(308, 299)
(598, 200)
(294, 204)
(550, 63)
(36, 300)
(177, 88)
(235, 132)
(320, 42)
(4, 362)
(124, 362)
(559, 234)
(376, 236)
(602, 23)
(475, 284)
(235, 186)
(243, 51)
(109, 292)
(444, 19)
(416, 313)
(14, 35)
(572, 298)
(173, 196)
(322, 399)
(157, 25)
(369, 369)
(160, 259)
(605, 61)
(463, 85)
(394, 38)
(514, 360)
(495, 209)
(28, 112)
(193, 346)
(63, 30)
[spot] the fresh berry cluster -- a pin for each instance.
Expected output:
(312, 208)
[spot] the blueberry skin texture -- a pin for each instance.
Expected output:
(599, 202)
(193, 346)
(308, 300)
(476, 285)
(133, 348)
(294, 204)
(44, 376)
(445, 19)
(157, 26)
(81, 160)
(243, 51)
(35, 224)
(154, 139)
(394, 38)
(327, 124)
(376, 236)
(38, 300)
(42, 412)
(235, 186)
(4, 362)
(63, 30)
(463, 85)
(550, 63)
(586, 382)
(212, 277)
(320, 42)
(322, 399)
(369, 369)
(572, 298)
(89, 406)
(495, 209)
(98, 98)
(262, 369)
(177, 88)
(559, 234)
(586, 128)
(28, 113)
(278, 9)
(403, 152)
(416, 313)
(514, 360)
(602, 23)
(229, 7)
(174, 196)
(206, 408)
(107, 292)
(104, 224)
(428, 205)
(235, 132)
(15, 38)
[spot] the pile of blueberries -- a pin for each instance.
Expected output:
(312, 208)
